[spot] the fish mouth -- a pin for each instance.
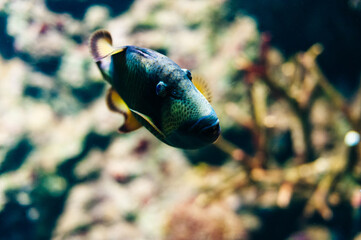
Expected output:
(211, 132)
(196, 134)
(206, 129)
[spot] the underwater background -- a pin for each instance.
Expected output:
(285, 80)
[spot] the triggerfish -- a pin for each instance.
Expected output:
(151, 90)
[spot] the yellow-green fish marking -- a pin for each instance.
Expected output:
(150, 90)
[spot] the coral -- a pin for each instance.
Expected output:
(214, 222)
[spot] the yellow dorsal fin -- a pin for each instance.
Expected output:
(116, 104)
(202, 86)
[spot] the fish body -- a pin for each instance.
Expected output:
(156, 93)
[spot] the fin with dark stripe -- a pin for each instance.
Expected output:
(100, 44)
(116, 104)
(147, 119)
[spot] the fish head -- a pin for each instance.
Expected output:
(188, 119)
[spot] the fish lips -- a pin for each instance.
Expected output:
(206, 128)
(199, 133)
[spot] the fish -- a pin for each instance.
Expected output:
(151, 90)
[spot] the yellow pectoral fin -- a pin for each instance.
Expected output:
(130, 124)
(116, 104)
(202, 86)
(150, 121)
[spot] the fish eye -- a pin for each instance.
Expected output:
(189, 74)
(161, 89)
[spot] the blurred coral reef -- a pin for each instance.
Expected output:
(288, 164)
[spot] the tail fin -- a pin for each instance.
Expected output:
(100, 44)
